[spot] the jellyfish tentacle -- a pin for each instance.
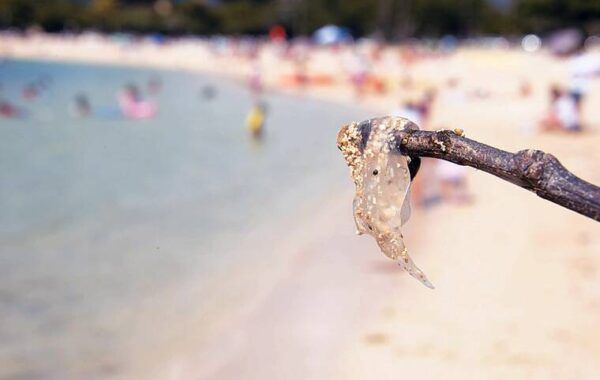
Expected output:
(395, 249)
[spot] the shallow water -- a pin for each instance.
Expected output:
(99, 215)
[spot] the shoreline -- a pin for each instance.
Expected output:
(57, 50)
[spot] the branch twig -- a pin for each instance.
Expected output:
(530, 169)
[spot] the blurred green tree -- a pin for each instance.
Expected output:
(541, 16)
(391, 19)
(16, 13)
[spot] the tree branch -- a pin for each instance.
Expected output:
(530, 169)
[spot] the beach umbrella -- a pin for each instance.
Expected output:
(566, 41)
(277, 33)
(157, 38)
(331, 34)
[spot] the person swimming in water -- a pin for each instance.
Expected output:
(9, 110)
(256, 119)
(207, 92)
(83, 108)
(132, 104)
(30, 92)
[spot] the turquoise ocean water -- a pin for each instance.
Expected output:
(98, 216)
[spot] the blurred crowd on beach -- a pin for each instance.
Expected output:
(331, 60)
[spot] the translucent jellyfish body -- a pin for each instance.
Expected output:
(382, 179)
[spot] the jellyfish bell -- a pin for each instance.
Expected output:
(382, 178)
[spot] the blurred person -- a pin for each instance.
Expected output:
(83, 108)
(30, 92)
(208, 92)
(550, 120)
(453, 182)
(300, 63)
(411, 111)
(255, 120)
(358, 70)
(255, 79)
(376, 52)
(563, 113)
(9, 110)
(377, 84)
(408, 55)
(525, 89)
(132, 104)
(568, 111)
(583, 67)
(425, 105)
(418, 112)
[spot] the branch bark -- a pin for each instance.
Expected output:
(530, 169)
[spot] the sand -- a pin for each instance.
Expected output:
(517, 278)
